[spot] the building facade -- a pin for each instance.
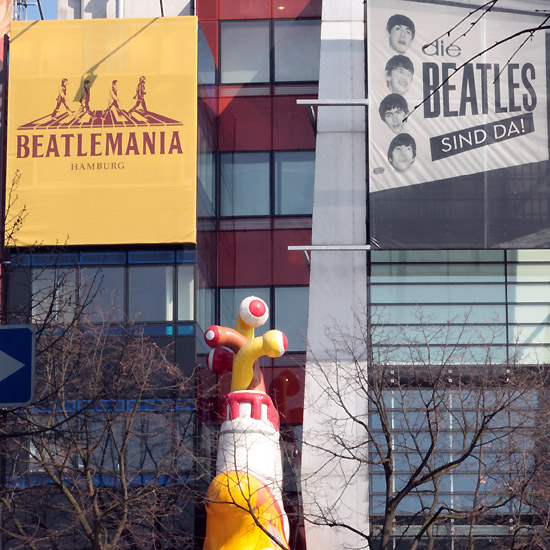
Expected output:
(270, 177)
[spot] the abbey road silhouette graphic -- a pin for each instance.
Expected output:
(83, 116)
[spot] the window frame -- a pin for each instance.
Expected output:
(272, 23)
(272, 184)
(74, 263)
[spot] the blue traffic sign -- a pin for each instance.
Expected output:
(17, 348)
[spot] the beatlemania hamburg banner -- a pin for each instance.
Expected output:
(489, 114)
(102, 125)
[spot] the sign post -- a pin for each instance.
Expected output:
(17, 353)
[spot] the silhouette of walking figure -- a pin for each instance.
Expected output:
(85, 98)
(61, 98)
(113, 101)
(140, 96)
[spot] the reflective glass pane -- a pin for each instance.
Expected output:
(445, 313)
(438, 256)
(244, 51)
(185, 422)
(244, 184)
(528, 255)
(530, 355)
(54, 294)
(441, 334)
(291, 311)
(529, 314)
(297, 50)
(206, 165)
(104, 439)
(103, 290)
(377, 504)
(529, 272)
(440, 355)
(186, 294)
(150, 444)
(206, 63)
(294, 172)
(529, 293)
(411, 504)
(529, 334)
(422, 294)
(230, 300)
(151, 293)
(437, 273)
(206, 307)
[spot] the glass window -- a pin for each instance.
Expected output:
(151, 293)
(244, 184)
(529, 314)
(151, 256)
(529, 334)
(206, 165)
(291, 446)
(451, 431)
(444, 313)
(441, 334)
(150, 443)
(294, 173)
(528, 255)
(425, 294)
(437, 273)
(297, 50)
(529, 355)
(104, 440)
(54, 294)
(206, 64)
(102, 293)
(528, 293)
(291, 310)
(185, 443)
(206, 307)
(505, 303)
(102, 258)
(230, 300)
(529, 272)
(244, 55)
(437, 256)
(186, 286)
(413, 354)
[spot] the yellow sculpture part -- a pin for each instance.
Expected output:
(242, 512)
(236, 501)
(243, 362)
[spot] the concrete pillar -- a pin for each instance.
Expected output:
(338, 278)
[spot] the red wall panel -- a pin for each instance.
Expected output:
(210, 30)
(286, 388)
(207, 9)
(245, 9)
(244, 258)
(296, 8)
(291, 126)
(245, 124)
(289, 267)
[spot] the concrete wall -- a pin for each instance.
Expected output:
(338, 278)
(97, 9)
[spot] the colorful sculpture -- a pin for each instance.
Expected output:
(244, 501)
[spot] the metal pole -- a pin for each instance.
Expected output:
(120, 9)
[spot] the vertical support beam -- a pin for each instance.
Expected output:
(338, 283)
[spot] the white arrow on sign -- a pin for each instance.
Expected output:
(8, 365)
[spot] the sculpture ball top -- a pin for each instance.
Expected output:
(254, 311)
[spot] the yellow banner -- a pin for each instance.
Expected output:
(102, 126)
